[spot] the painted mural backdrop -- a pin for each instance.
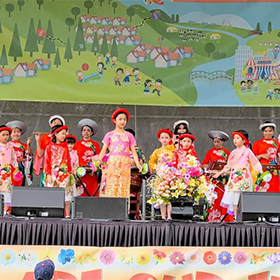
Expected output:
(146, 52)
(143, 263)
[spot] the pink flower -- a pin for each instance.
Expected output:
(107, 257)
(18, 176)
(177, 258)
(240, 257)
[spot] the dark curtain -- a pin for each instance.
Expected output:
(19, 231)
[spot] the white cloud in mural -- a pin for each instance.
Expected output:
(223, 19)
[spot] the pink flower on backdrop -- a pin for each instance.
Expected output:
(107, 257)
(177, 258)
(240, 257)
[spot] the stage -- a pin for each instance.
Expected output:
(130, 233)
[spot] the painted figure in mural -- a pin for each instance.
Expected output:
(118, 77)
(8, 165)
(269, 93)
(267, 151)
(276, 93)
(256, 87)
(158, 85)
(57, 164)
(179, 127)
(249, 85)
(127, 74)
(101, 67)
(136, 72)
(79, 74)
(88, 150)
(23, 152)
(147, 85)
(121, 145)
(242, 165)
(99, 58)
(107, 58)
(243, 85)
(217, 154)
(114, 61)
(166, 150)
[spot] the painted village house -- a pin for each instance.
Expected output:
(25, 70)
(42, 64)
(6, 76)
(184, 52)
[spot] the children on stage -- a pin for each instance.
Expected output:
(121, 144)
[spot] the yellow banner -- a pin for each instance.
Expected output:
(142, 263)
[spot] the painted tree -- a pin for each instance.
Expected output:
(101, 2)
(40, 3)
(173, 18)
(20, 4)
(69, 22)
(0, 27)
(31, 41)
(57, 60)
(114, 49)
(177, 18)
(68, 52)
(39, 38)
(278, 34)
(88, 4)
(4, 58)
(79, 44)
(104, 47)
(75, 11)
(15, 48)
(109, 2)
(209, 48)
(49, 46)
(130, 12)
(9, 8)
(269, 27)
(95, 44)
(114, 5)
(258, 27)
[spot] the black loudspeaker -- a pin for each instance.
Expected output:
(38, 202)
(259, 206)
(1, 205)
(100, 208)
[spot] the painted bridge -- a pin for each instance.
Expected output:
(210, 76)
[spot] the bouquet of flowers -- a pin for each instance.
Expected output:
(185, 180)
(261, 184)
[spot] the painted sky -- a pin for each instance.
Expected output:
(251, 12)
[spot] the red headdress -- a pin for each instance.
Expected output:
(118, 111)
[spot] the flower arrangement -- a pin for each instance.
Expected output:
(93, 166)
(185, 180)
(81, 171)
(17, 175)
(261, 184)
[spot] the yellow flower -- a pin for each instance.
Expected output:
(143, 258)
(46, 254)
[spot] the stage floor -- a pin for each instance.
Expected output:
(128, 233)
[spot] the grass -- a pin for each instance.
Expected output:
(265, 37)
(258, 98)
